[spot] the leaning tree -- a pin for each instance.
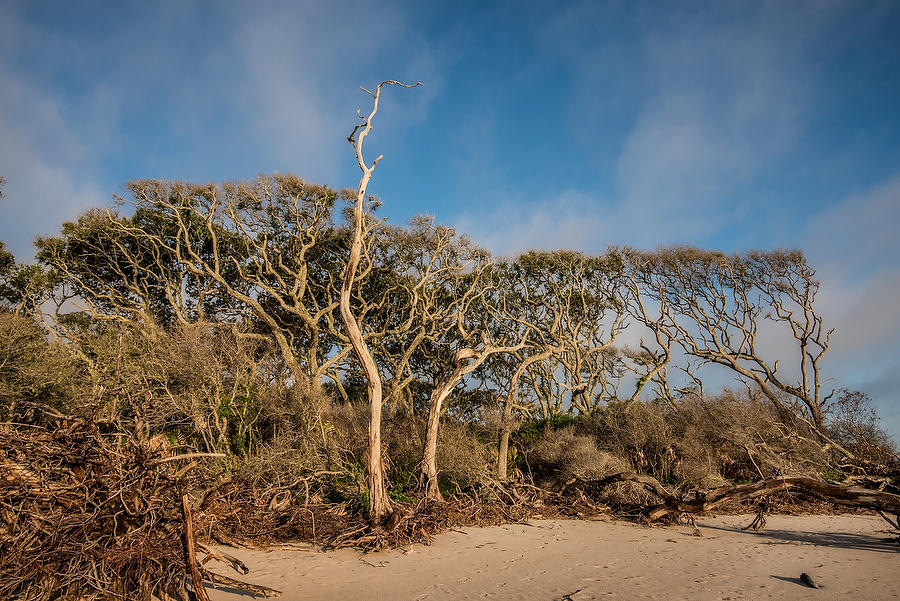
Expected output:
(729, 310)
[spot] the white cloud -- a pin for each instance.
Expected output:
(855, 246)
(570, 220)
(181, 92)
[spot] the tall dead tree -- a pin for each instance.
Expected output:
(379, 503)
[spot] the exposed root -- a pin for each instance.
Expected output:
(86, 514)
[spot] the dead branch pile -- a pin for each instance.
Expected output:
(232, 516)
(89, 515)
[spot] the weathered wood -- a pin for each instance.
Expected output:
(190, 555)
(379, 502)
(256, 589)
(849, 496)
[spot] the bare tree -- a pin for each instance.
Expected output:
(717, 306)
(379, 503)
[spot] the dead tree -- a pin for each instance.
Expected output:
(379, 503)
(675, 504)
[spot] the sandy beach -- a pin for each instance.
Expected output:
(848, 556)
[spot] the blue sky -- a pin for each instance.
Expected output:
(724, 124)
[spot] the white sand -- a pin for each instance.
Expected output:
(848, 556)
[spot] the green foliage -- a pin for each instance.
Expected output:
(530, 431)
(832, 475)
(33, 371)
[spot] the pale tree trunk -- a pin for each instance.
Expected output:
(438, 396)
(429, 455)
(506, 426)
(436, 406)
(379, 503)
(503, 446)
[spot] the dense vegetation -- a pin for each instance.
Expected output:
(206, 318)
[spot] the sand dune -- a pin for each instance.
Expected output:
(849, 556)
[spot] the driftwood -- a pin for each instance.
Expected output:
(673, 504)
(190, 556)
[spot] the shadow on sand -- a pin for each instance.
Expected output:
(232, 591)
(844, 540)
(796, 581)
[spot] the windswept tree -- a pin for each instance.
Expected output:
(262, 251)
(581, 294)
(421, 285)
(721, 308)
(485, 323)
(516, 281)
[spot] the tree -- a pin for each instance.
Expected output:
(581, 294)
(486, 324)
(379, 503)
(263, 250)
(717, 307)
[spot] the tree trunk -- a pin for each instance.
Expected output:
(503, 448)
(379, 503)
(850, 496)
(429, 455)
(507, 426)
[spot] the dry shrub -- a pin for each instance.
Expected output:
(312, 442)
(638, 433)
(854, 424)
(462, 459)
(86, 515)
(739, 438)
(209, 382)
(560, 455)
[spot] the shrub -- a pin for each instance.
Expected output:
(854, 424)
(560, 455)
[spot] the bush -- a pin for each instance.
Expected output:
(32, 370)
(854, 424)
(560, 455)
(736, 437)
(638, 433)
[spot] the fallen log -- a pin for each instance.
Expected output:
(849, 496)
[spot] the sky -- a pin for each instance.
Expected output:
(728, 125)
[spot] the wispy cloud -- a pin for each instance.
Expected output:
(854, 245)
(570, 220)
